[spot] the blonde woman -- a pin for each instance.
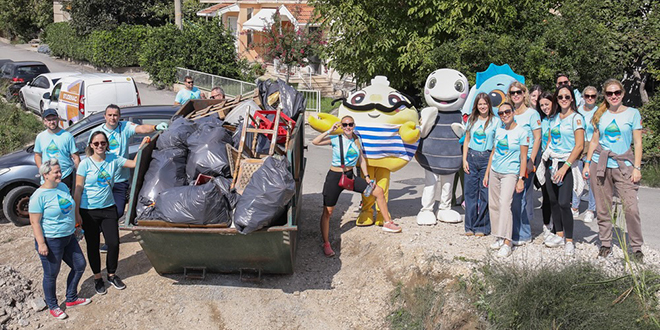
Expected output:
(614, 167)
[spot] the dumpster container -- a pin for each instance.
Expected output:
(176, 248)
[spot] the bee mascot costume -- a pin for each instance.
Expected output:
(387, 125)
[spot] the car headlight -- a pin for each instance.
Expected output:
(4, 170)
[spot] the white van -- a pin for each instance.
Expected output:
(78, 96)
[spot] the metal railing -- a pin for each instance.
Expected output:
(233, 87)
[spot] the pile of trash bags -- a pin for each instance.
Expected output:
(189, 150)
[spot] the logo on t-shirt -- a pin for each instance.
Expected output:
(52, 151)
(538, 122)
(103, 179)
(612, 132)
(579, 122)
(479, 135)
(113, 143)
(65, 205)
(503, 146)
(351, 155)
(555, 135)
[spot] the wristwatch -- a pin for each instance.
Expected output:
(521, 177)
(639, 168)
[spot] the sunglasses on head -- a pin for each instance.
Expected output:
(505, 112)
(99, 143)
(590, 96)
(617, 93)
(563, 97)
(518, 92)
(347, 124)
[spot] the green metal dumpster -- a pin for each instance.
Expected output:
(221, 250)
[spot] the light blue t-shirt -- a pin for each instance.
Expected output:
(587, 121)
(545, 132)
(616, 133)
(530, 120)
(351, 151)
(60, 145)
(184, 95)
(99, 180)
(506, 159)
(57, 209)
(481, 136)
(562, 132)
(119, 140)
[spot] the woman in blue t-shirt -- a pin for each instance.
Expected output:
(614, 167)
(565, 145)
(587, 110)
(351, 146)
(95, 205)
(546, 111)
(505, 176)
(523, 204)
(478, 144)
(54, 226)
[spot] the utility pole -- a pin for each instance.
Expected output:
(177, 14)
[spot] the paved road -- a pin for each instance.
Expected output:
(148, 94)
(406, 187)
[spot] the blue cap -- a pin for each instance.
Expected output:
(49, 112)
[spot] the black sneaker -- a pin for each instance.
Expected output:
(638, 256)
(116, 282)
(103, 248)
(99, 286)
(604, 252)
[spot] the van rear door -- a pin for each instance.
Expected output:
(126, 93)
(112, 91)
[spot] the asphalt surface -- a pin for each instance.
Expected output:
(406, 184)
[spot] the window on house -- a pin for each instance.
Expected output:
(249, 34)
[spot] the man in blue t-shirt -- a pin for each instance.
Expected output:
(55, 142)
(562, 79)
(119, 135)
(189, 92)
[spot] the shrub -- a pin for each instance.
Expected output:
(64, 42)
(17, 128)
(117, 48)
(651, 122)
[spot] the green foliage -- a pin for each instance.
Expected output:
(651, 121)
(64, 42)
(117, 48)
(24, 19)
(651, 174)
(90, 15)
(578, 296)
(419, 307)
(17, 128)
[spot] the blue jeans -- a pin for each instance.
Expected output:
(523, 212)
(476, 195)
(119, 193)
(61, 249)
(576, 199)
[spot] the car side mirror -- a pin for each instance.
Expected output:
(46, 95)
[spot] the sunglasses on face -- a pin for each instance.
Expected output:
(565, 82)
(347, 124)
(101, 143)
(505, 112)
(589, 96)
(189, 82)
(610, 94)
(518, 92)
(564, 97)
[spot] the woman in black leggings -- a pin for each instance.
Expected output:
(547, 113)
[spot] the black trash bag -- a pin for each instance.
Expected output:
(177, 134)
(293, 101)
(209, 120)
(166, 170)
(207, 152)
(266, 196)
(198, 205)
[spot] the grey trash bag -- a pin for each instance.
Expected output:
(207, 152)
(293, 101)
(266, 196)
(166, 170)
(198, 205)
(209, 120)
(177, 134)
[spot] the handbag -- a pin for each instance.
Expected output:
(344, 181)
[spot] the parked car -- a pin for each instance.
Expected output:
(31, 95)
(17, 74)
(19, 176)
(78, 96)
(3, 61)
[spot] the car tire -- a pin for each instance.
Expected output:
(21, 99)
(15, 205)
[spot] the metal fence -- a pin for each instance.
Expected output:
(233, 87)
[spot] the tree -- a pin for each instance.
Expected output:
(24, 19)
(289, 45)
(90, 15)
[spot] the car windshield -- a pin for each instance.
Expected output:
(78, 125)
(31, 70)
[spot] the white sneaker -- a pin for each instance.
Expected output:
(554, 241)
(547, 231)
(520, 243)
(569, 249)
(589, 216)
(504, 251)
(497, 244)
(576, 213)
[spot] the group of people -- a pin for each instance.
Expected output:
(547, 139)
(81, 197)
(191, 92)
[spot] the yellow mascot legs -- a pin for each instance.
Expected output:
(382, 178)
